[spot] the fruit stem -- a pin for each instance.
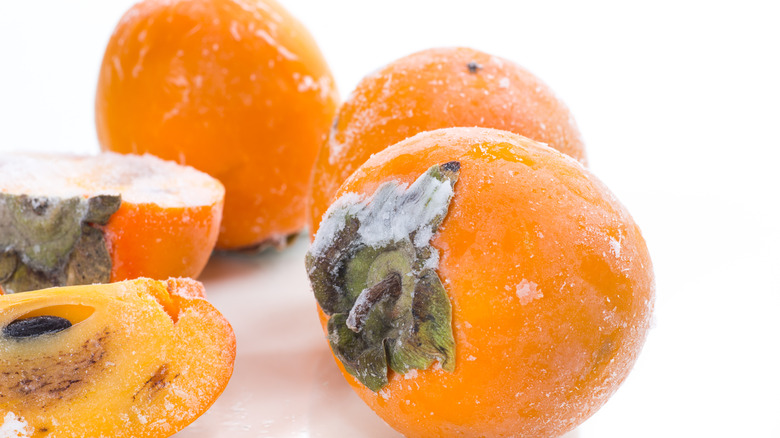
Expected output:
(389, 287)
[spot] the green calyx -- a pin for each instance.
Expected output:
(50, 241)
(373, 271)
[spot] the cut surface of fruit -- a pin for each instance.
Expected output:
(68, 219)
(432, 89)
(140, 358)
(548, 277)
(235, 88)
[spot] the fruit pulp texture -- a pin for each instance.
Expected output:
(143, 358)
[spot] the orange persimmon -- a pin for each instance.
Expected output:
(235, 88)
(139, 358)
(432, 89)
(473, 282)
(67, 219)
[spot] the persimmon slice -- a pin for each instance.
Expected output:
(68, 220)
(147, 359)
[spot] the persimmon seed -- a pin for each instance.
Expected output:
(35, 326)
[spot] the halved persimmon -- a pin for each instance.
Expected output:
(235, 88)
(476, 283)
(140, 358)
(432, 89)
(67, 220)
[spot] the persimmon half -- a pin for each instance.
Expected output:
(235, 88)
(69, 220)
(432, 89)
(140, 358)
(475, 283)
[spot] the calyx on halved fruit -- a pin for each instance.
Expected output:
(51, 241)
(373, 272)
(68, 220)
(139, 358)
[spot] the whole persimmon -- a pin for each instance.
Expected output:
(432, 89)
(235, 88)
(475, 283)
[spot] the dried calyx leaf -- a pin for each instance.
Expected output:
(373, 271)
(50, 241)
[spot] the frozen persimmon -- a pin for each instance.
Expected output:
(68, 220)
(140, 358)
(432, 89)
(235, 88)
(476, 283)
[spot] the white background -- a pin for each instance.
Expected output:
(678, 103)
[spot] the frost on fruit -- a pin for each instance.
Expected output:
(52, 241)
(373, 271)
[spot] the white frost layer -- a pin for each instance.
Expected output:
(527, 291)
(139, 179)
(392, 214)
(14, 427)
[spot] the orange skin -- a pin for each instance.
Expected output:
(146, 240)
(237, 89)
(531, 360)
(435, 89)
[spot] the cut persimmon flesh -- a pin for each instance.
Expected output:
(139, 358)
(68, 219)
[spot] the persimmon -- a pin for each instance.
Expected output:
(473, 282)
(432, 89)
(67, 219)
(140, 358)
(235, 88)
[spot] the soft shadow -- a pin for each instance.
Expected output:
(226, 265)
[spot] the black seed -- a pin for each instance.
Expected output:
(35, 326)
(452, 166)
(473, 67)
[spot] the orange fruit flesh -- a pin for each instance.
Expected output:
(550, 282)
(432, 89)
(143, 358)
(238, 90)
